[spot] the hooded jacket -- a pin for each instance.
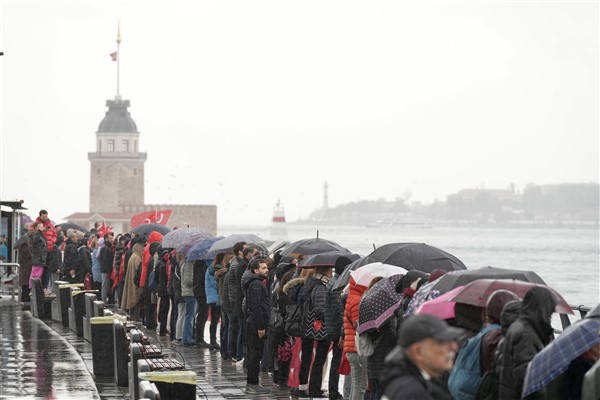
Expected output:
(49, 232)
(526, 337)
(334, 313)
(71, 257)
(402, 380)
(132, 293)
(351, 315)
(146, 255)
(258, 311)
(187, 279)
(210, 286)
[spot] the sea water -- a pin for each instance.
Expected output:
(567, 259)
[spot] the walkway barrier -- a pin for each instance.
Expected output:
(60, 308)
(41, 305)
(102, 339)
(172, 385)
(148, 390)
(77, 309)
(122, 344)
(89, 299)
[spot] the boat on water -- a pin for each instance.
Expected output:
(394, 222)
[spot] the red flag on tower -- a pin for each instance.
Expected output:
(113, 56)
(157, 217)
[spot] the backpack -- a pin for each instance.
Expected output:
(488, 388)
(293, 320)
(465, 377)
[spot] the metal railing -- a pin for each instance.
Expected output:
(13, 283)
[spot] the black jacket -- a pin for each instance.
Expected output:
(334, 313)
(225, 303)
(71, 257)
(106, 259)
(314, 291)
(85, 260)
(258, 311)
(161, 273)
(237, 280)
(402, 380)
(117, 259)
(39, 249)
(526, 337)
(200, 279)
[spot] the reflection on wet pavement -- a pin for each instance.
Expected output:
(44, 360)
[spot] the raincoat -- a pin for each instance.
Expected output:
(132, 293)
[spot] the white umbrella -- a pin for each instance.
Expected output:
(365, 274)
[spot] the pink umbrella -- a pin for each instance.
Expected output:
(441, 307)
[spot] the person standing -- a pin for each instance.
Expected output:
(257, 319)
(106, 264)
(426, 350)
(189, 300)
(131, 292)
(214, 303)
(200, 268)
(39, 252)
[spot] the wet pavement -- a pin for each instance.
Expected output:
(44, 360)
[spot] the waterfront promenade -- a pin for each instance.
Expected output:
(43, 360)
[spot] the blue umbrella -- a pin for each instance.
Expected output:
(181, 236)
(555, 358)
(200, 250)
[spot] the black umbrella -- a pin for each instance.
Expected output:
(70, 225)
(378, 304)
(307, 247)
(461, 278)
(327, 259)
(409, 256)
(146, 229)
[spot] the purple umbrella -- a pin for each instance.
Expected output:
(200, 249)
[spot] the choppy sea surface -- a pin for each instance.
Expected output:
(567, 259)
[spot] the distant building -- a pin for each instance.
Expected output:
(117, 179)
(484, 205)
(565, 203)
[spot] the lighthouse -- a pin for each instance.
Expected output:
(278, 225)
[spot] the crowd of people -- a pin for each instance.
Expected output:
(272, 314)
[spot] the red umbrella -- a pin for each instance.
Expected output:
(477, 292)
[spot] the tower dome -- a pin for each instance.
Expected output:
(117, 118)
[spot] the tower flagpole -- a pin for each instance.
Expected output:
(118, 55)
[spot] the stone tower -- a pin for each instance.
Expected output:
(116, 167)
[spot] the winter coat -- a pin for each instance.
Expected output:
(224, 295)
(146, 255)
(259, 310)
(106, 259)
(85, 260)
(200, 268)
(39, 249)
(246, 277)
(187, 279)
(384, 341)
(132, 293)
(292, 289)
(54, 259)
(526, 337)
(314, 293)
(211, 288)
(232, 288)
(163, 278)
(25, 262)
(351, 315)
(334, 313)
(117, 259)
(401, 379)
(96, 274)
(239, 294)
(220, 275)
(49, 232)
(71, 257)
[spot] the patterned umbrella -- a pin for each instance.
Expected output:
(378, 304)
(477, 292)
(178, 237)
(555, 358)
(200, 250)
(422, 295)
(441, 307)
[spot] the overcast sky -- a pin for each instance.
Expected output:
(240, 103)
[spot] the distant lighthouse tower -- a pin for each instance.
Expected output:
(278, 224)
(325, 198)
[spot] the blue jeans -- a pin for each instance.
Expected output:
(188, 322)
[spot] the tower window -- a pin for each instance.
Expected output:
(99, 146)
(111, 145)
(126, 146)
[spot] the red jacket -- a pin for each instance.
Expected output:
(351, 315)
(49, 232)
(154, 237)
